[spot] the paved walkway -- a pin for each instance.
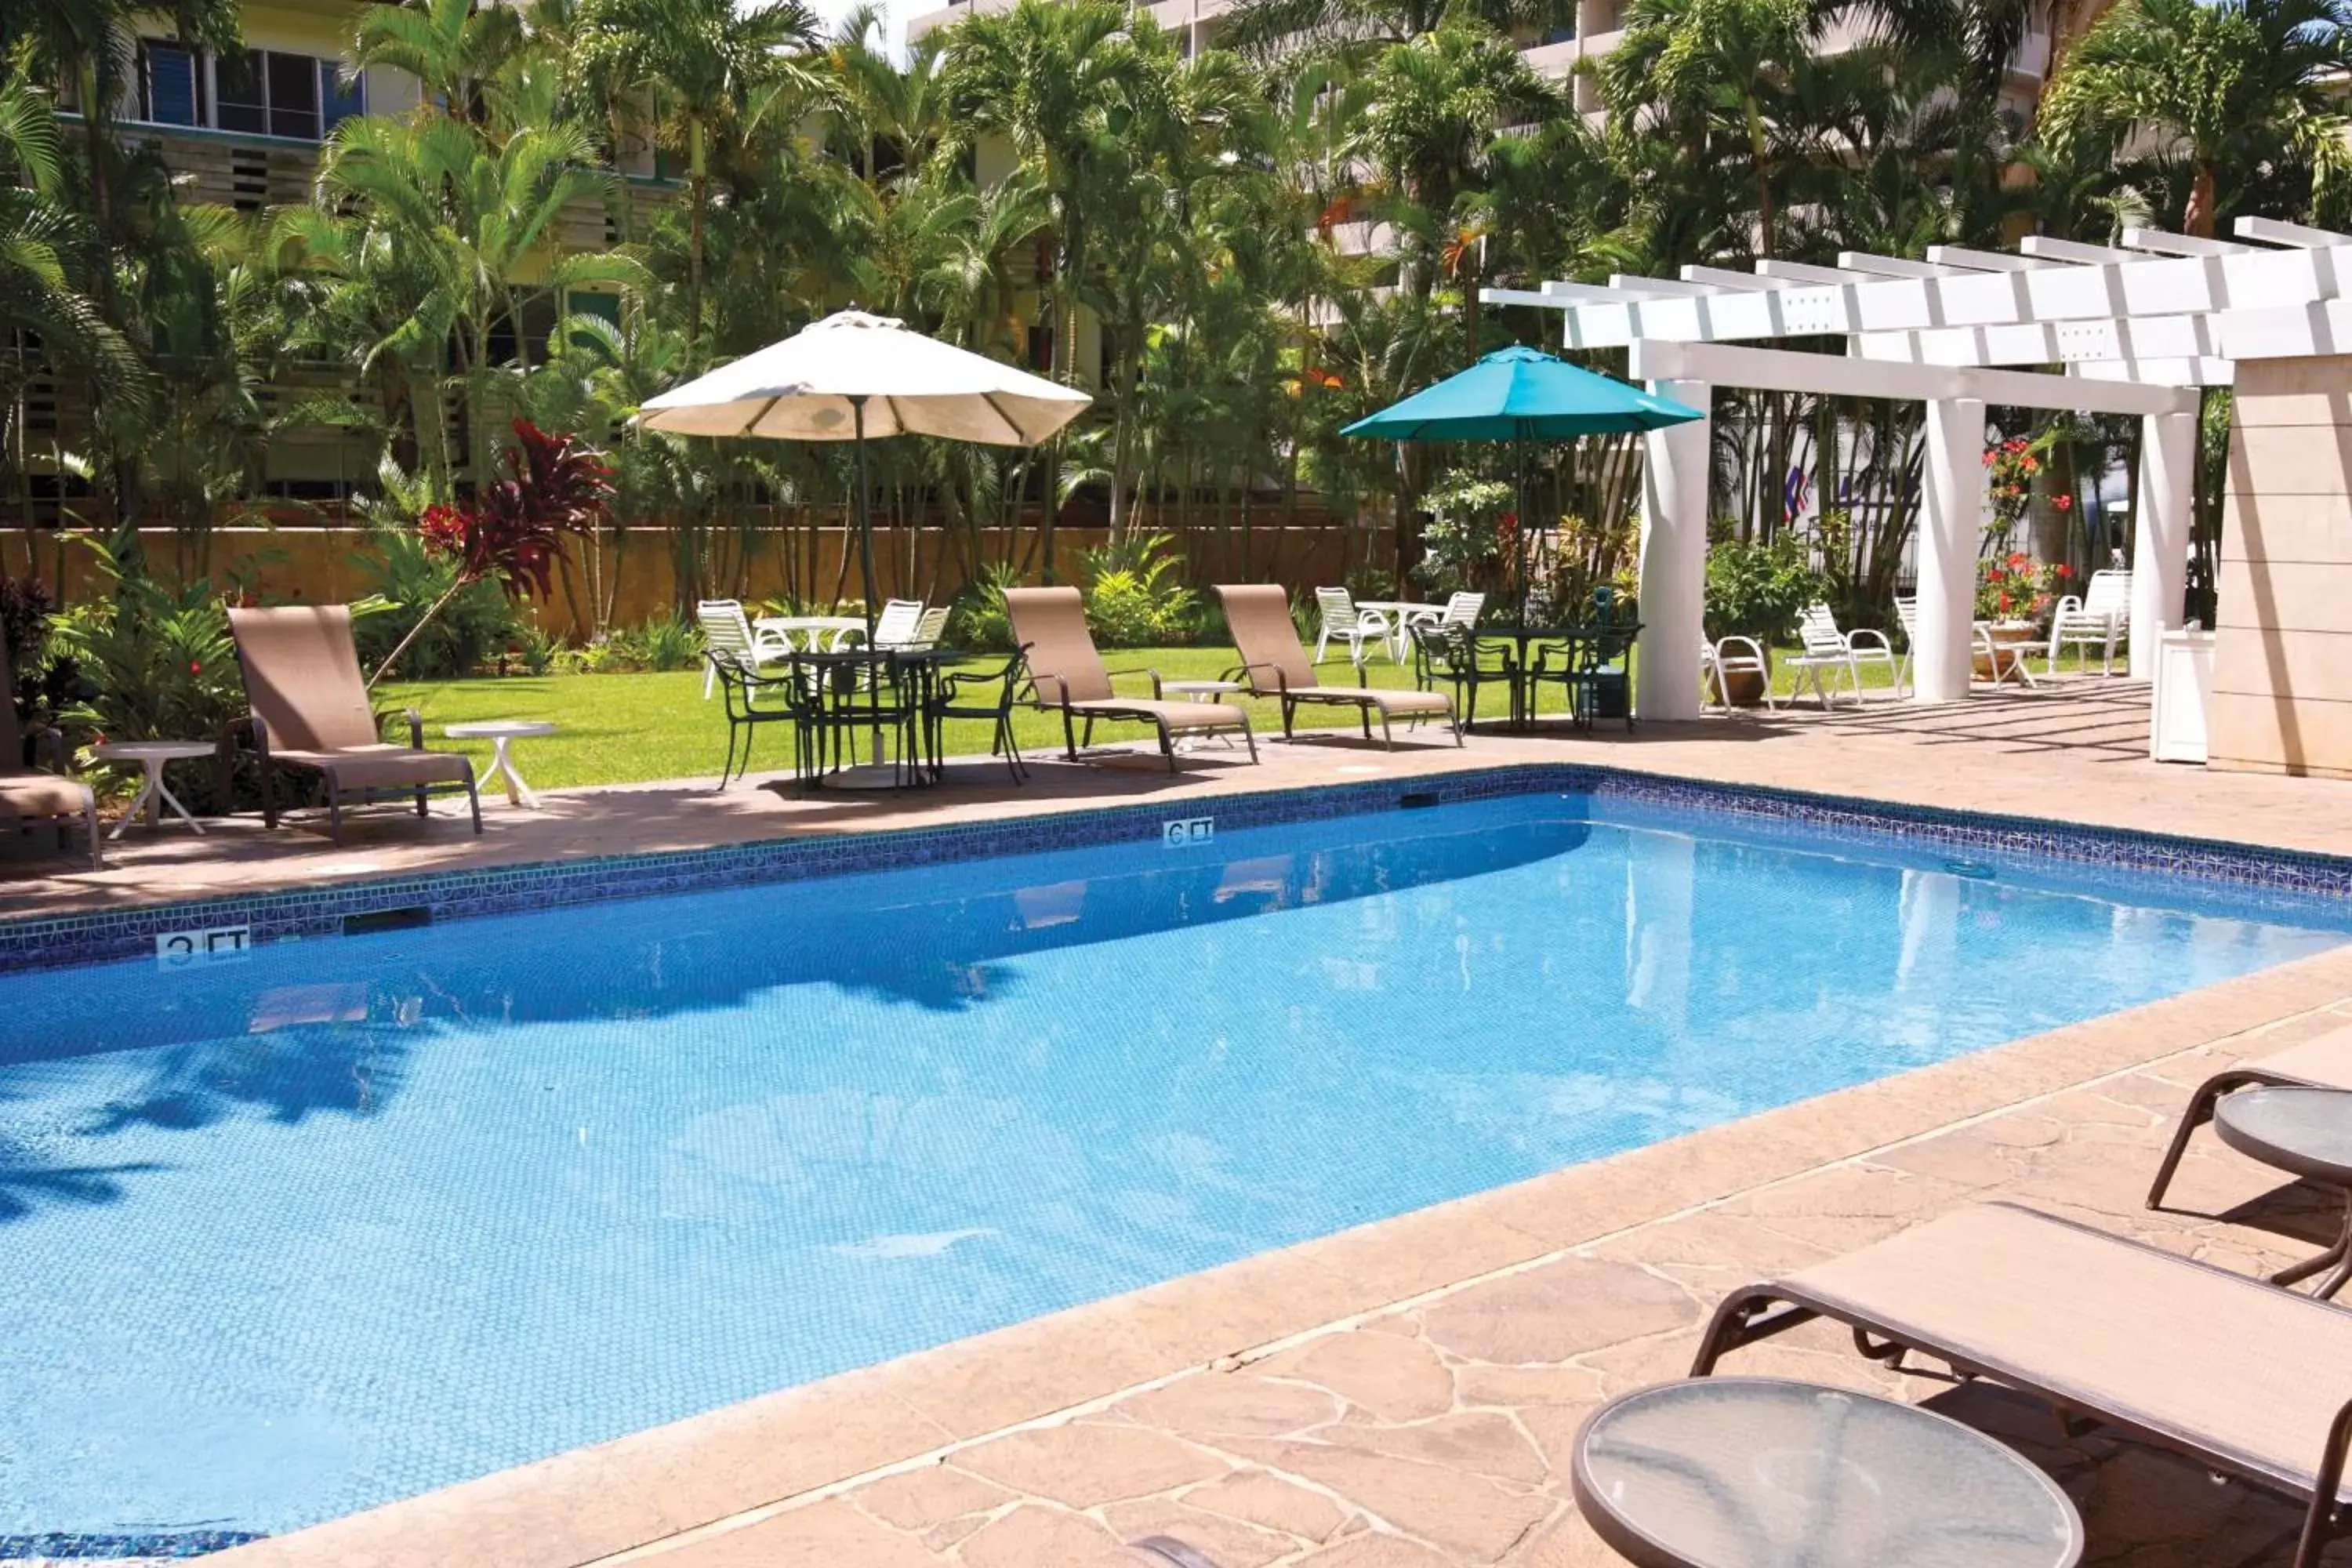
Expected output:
(2076, 749)
(1402, 1395)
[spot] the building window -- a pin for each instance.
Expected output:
(168, 84)
(261, 92)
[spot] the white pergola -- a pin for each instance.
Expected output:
(2137, 330)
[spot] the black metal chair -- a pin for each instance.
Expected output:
(741, 689)
(947, 704)
(1454, 654)
(837, 695)
(1594, 668)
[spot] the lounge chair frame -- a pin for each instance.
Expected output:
(253, 733)
(1760, 1311)
(1060, 610)
(1363, 697)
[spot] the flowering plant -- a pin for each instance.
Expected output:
(2017, 588)
(551, 488)
(2013, 464)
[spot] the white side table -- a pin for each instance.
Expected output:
(502, 733)
(1201, 692)
(152, 794)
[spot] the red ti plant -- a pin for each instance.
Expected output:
(550, 490)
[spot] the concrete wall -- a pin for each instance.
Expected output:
(2283, 654)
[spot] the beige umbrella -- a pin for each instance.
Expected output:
(851, 376)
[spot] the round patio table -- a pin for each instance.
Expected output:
(154, 795)
(1756, 1472)
(502, 733)
(2306, 1133)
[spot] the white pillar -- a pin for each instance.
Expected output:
(2167, 482)
(1674, 463)
(1951, 528)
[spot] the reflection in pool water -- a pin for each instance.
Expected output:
(356, 1218)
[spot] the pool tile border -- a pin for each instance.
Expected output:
(44, 942)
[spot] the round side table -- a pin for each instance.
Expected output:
(1201, 692)
(2306, 1133)
(154, 793)
(1758, 1472)
(502, 733)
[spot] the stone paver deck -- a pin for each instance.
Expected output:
(1402, 1395)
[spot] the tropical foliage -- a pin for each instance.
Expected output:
(1241, 249)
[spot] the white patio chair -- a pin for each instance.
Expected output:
(726, 630)
(2100, 618)
(929, 628)
(1828, 651)
(1351, 626)
(896, 624)
(1722, 658)
(1462, 610)
(1906, 617)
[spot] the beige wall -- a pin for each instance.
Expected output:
(2283, 654)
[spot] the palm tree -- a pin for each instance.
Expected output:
(2240, 92)
(1290, 33)
(706, 66)
(451, 46)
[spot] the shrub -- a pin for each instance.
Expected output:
(49, 683)
(1758, 590)
(159, 662)
(979, 622)
(1134, 595)
(476, 623)
(659, 643)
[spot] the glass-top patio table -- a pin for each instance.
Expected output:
(1578, 642)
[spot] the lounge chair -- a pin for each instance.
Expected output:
(1067, 675)
(309, 714)
(2240, 1375)
(2325, 1061)
(2101, 618)
(32, 794)
(1275, 663)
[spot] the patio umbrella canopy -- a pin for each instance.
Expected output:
(1521, 394)
(851, 376)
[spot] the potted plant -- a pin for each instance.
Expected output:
(2014, 595)
(1759, 590)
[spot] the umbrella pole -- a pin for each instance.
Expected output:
(865, 518)
(1519, 537)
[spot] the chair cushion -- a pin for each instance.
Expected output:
(28, 792)
(383, 767)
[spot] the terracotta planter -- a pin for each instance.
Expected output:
(2005, 634)
(1743, 689)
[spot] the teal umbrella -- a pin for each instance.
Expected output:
(1518, 393)
(1521, 394)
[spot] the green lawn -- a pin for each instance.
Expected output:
(624, 729)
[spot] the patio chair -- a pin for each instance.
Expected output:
(930, 626)
(896, 624)
(36, 795)
(1828, 652)
(1067, 675)
(741, 682)
(2240, 1376)
(1906, 619)
(2324, 1061)
(951, 703)
(1351, 626)
(2101, 618)
(1595, 669)
(1722, 658)
(1453, 654)
(310, 715)
(1275, 663)
(1462, 609)
(726, 629)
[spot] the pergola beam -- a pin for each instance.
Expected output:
(1787, 370)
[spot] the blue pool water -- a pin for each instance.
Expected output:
(350, 1219)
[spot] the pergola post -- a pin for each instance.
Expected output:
(2167, 482)
(1675, 465)
(1951, 530)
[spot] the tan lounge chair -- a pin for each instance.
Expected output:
(1068, 675)
(2240, 1375)
(310, 715)
(2322, 1062)
(36, 795)
(1275, 664)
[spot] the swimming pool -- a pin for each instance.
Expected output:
(346, 1220)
